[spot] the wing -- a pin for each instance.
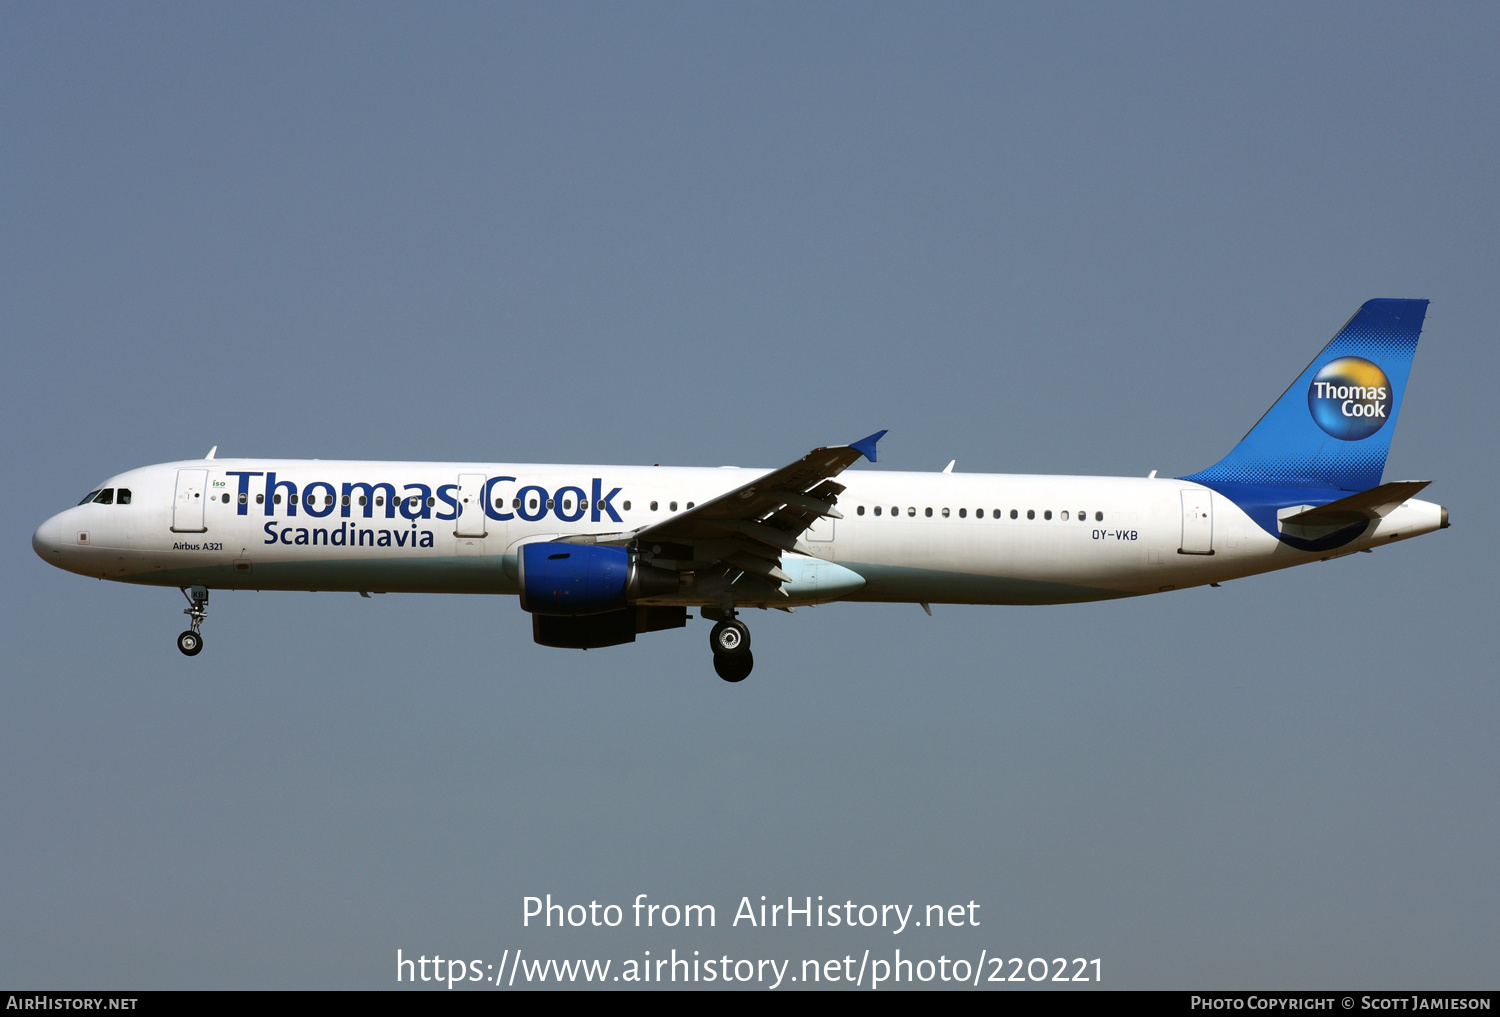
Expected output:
(747, 530)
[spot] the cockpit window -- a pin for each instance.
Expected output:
(107, 497)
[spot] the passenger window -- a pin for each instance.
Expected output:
(346, 499)
(1031, 513)
(88, 497)
(1047, 514)
(276, 500)
(673, 506)
(106, 497)
(929, 513)
(945, 513)
(260, 499)
(895, 510)
(379, 499)
(549, 502)
(567, 504)
(583, 503)
(1013, 513)
(627, 506)
(225, 499)
(1098, 517)
(912, 510)
(514, 503)
(963, 513)
(1083, 516)
(361, 499)
(1065, 515)
(532, 506)
(860, 511)
(877, 510)
(653, 506)
(499, 502)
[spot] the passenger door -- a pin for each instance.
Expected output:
(187, 506)
(1197, 522)
(471, 514)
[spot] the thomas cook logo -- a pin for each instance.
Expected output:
(1350, 398)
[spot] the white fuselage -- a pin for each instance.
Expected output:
(937, 537)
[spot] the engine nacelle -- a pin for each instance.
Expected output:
(577, 580)
(610, 629)
(573, 579)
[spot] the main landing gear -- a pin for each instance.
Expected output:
(730, 641)
(191, 641)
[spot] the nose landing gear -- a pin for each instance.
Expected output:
(191, 641)
(730, 641)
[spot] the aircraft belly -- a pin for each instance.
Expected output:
(907, 584)
(445, 574)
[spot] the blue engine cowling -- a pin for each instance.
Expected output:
(573, 579)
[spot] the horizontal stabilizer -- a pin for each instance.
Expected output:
(1376, 503)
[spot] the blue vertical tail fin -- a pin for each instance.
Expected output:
(1332, 428)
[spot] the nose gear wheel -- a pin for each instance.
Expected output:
(191, 641)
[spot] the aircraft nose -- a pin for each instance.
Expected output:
(47, 540)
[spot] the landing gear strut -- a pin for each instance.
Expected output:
(191, 641)
(730, 641)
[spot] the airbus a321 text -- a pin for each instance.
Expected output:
(600, 554)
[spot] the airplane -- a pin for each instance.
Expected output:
(601, 554)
